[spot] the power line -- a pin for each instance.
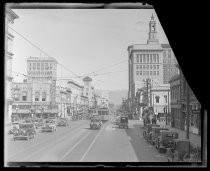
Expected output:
(66, 78)
(43, 51)
(106, 67)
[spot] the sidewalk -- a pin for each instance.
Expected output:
(195, 139)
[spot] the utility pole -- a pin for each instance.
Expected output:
(188, 117)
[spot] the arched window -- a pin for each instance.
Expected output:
(24, 96)
(44, 96)
(157, 98)
(37, 96)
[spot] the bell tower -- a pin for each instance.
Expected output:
(152, 32)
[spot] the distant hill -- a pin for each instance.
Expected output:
(115, 96)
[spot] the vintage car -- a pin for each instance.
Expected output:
(15, 127)
(117, 120)
(63, 122)
(95, 123)
(123, 122)
(153, 135)
(165, 140)
(179, 150)
(148, 129)
(26, 131)
(49, 126)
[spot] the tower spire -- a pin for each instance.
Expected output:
(152, 32)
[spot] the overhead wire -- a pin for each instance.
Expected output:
(43, 52)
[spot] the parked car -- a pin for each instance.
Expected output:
(165, 140)
(179, 151)
(15, 127)
(155, 132)
(117, 120)
(123, 122)
(26, 131)
(148, 129)
(49, 126)
(95, 123)
(63, 122)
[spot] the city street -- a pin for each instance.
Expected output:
(78, 143)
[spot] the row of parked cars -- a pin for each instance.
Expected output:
(28, 128)
(168, 141)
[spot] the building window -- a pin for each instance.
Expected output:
(150, 66)
(140, 72)
(140, 67)
(137, 73)
(34, 66)
(157, 98)
(140, 58)
(150, 72)
(165, 98)
(154, 57)
(151, 58)
(154, 66)
(157, 72)
(137, 58)
(42, 66)
(147, 72)
(46, 66)
(38, 66)
(17, 96)
(169, 53)
(157, 58)
(137, 67)
(154, 72)
(44, 96)
(148, 58)
(30, 66)
(24, 96)
(143, 66)
(144, 58)
(147, 66)
(164, 54)
(37, 96)
(157, 66)
(143, 72)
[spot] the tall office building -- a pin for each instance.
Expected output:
(151, 60)
(43, 70)
(145, 61)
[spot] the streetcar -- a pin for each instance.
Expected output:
(92, 112)
(104, 114)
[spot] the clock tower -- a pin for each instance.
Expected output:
(152, 32)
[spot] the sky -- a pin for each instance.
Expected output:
(84, 41)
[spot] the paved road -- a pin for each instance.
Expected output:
(78, 143)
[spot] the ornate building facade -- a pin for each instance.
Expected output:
(10, 16)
